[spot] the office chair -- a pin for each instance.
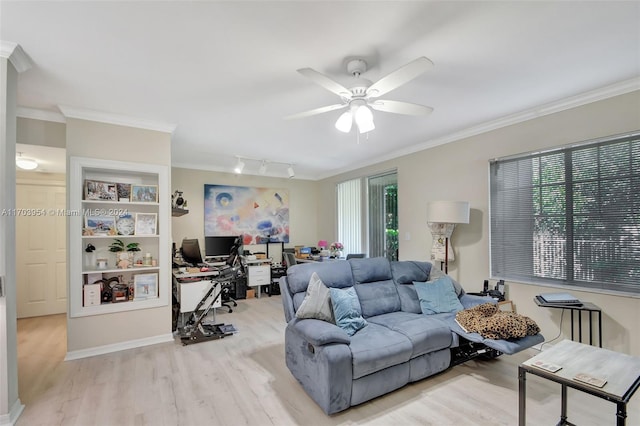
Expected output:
(355, 256)
(289, 259)
(231, 272)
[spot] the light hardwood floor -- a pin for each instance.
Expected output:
(243, 380)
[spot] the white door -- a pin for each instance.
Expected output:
(41, 240)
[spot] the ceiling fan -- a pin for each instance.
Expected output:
(362, 96)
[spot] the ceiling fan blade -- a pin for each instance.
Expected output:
(316, 111)
(398, 107)
(324, 81)
(399, 77)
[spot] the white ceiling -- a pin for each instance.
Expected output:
(224, 73)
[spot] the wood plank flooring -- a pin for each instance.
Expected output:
(243, 380)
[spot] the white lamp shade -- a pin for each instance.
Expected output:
(344, 122)
(448, 212)
(364, 119)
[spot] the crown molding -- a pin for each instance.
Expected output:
(118, 119)
(40, 114)
(616, 89)
(14, 53)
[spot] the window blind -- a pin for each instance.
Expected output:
(570, 216)
(349, 195)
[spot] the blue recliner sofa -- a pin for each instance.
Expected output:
(398, 345)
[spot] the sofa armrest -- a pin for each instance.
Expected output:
(287, 299)
(319, 333)
(470, 300)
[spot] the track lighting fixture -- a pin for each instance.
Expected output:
(239, 166)
(262, 170)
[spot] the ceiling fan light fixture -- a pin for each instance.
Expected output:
(25, 163)
(239, 166)
(364, 119)
(345, 122)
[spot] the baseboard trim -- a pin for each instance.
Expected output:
(11, 418)
(116, 347)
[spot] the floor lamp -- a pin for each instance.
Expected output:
(442, 217)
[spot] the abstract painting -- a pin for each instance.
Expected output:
(260, 215)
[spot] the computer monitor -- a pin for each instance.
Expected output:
(219, 246)
(191, 251)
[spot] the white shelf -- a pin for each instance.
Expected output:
(81, 169)
(106, 237)
(120, 270)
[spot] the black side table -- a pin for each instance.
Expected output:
(586, 306)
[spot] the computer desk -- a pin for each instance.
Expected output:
(191, 287)
(586, 306)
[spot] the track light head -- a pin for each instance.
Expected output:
(239, 166)
(290, 171)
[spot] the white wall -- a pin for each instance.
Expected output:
(303, 205)
(459, 171)
(112, 142)
(10, 405)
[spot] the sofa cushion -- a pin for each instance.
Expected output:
(374, 285)
(375, 348)
(317, 302)
(426, 333)
(333, 274)
(346, 309)
(404, 274)
(438, 296)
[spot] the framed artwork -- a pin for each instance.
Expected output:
(260, 215)
(146, 223)
(124, 191)
(100, 191)
(145, 286)
(506, 306)
(144, 193)
(100, 225)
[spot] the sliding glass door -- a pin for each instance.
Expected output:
(369, 220)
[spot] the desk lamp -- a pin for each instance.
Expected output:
(442, 217)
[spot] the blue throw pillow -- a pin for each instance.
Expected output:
(347, 310)
(437, 297)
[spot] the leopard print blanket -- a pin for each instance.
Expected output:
(491, 323)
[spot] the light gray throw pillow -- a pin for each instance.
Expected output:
(317, 302)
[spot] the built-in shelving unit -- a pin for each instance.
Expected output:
(150, 221)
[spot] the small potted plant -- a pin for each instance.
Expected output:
(124, 253)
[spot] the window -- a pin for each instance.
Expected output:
(349, 203)
(378, 209)
(570, 216)
(383, 215)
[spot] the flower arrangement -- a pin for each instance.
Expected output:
(336, 246)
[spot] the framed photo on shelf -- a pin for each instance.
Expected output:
(146, 223)
(100, 191)
(100, 225)
(145, 286)
(144, 193)
(124, 191)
